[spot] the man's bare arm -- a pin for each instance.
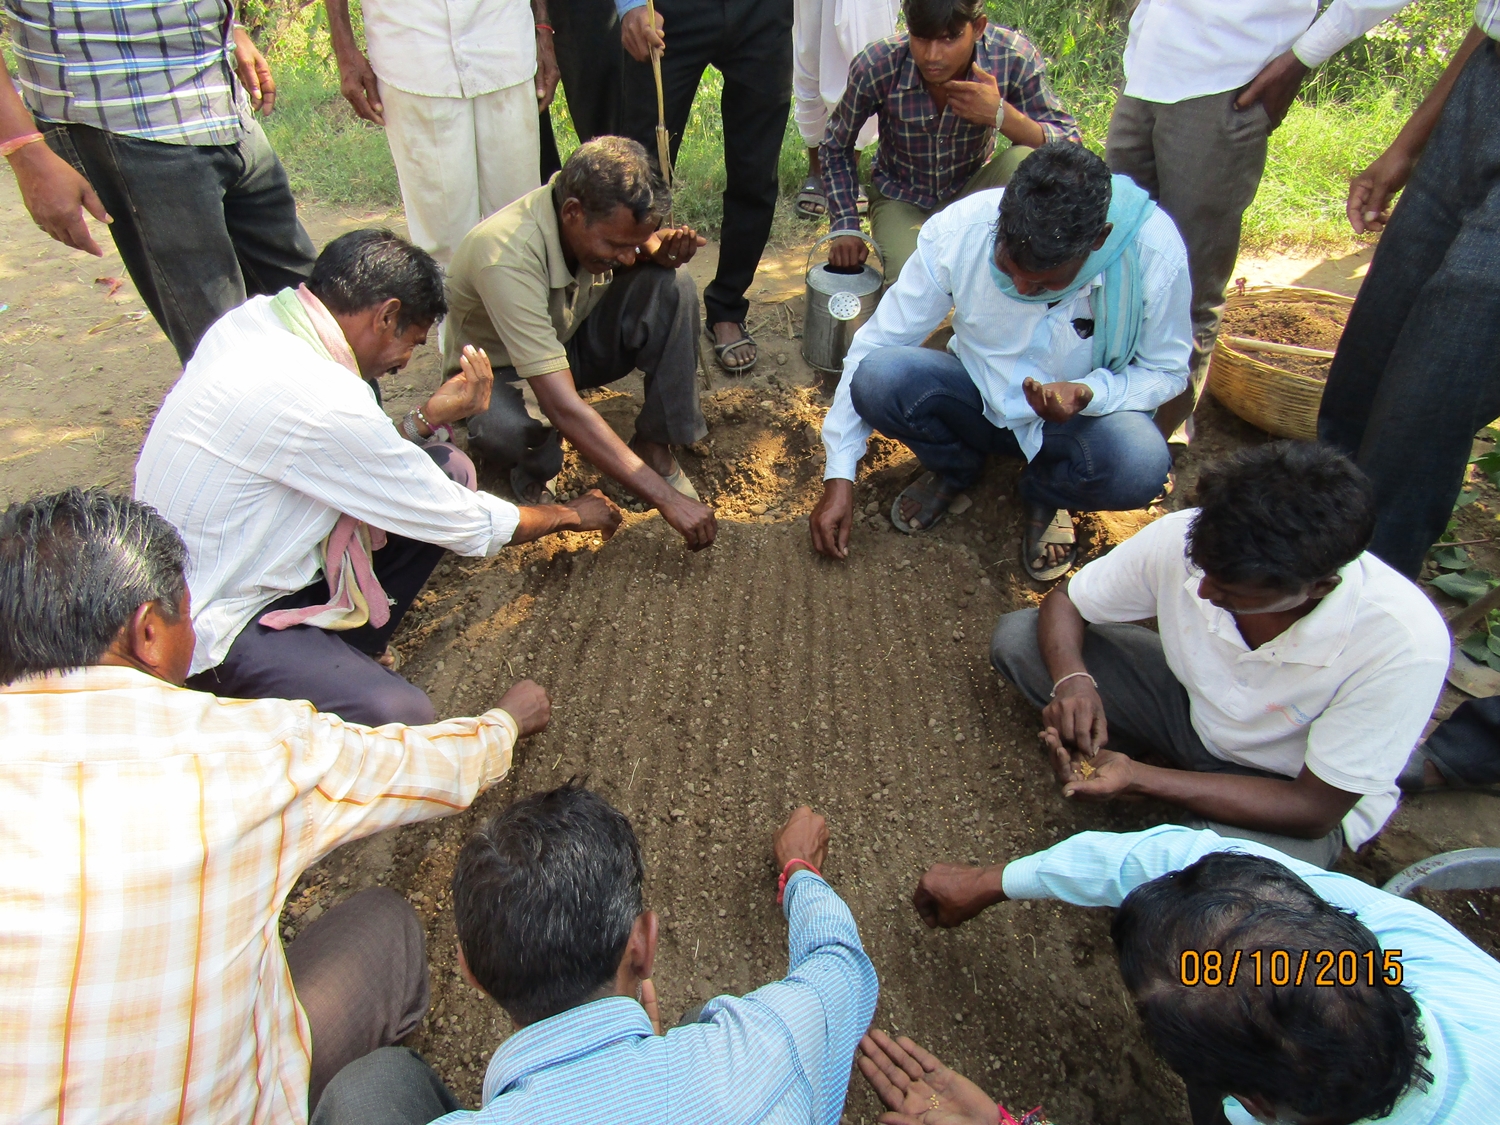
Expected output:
(593, 511)
(357, 79)
(1076, 711)
(601, 446)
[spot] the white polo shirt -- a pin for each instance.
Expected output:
(1345, 691)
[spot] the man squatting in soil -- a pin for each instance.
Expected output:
(273, 458)
(1289, 676)
(989, 85)
(1070, 325)
(152, 835)
(552, 925)
(574, 286)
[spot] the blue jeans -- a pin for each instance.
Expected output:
(1417, 370)
(926, 400)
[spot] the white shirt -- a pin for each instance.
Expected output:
(1454, 982)
(1345, 691)
(256, 452)
(450, 48)
(1180, 49)
(1001, 341)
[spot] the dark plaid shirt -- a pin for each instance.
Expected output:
(926, 157)
(159, 71)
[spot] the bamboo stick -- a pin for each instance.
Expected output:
(663, 138)
(1245, 343)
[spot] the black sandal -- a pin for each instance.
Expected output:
(720, 350)
(934, 498)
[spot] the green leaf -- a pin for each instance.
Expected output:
(1069, 44)
(1489, 433)
(1476, 648)
(1464, 587)
(1465, 499)
(1451, 558)
(1488, 462)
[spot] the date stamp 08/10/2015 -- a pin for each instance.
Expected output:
(1326, 968)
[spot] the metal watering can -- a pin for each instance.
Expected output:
(838, 303)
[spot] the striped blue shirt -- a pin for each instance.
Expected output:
(779, 1056)
(141, 68)
(1456, 984)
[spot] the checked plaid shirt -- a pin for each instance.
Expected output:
(925, 157)
(151, 835)
(158, 71)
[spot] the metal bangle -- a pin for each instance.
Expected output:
(1068, 677)
(408, 426)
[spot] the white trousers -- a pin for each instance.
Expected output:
(460, 160)
(827, 34)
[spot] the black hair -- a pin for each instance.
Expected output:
(1280, 515)
(544, 897)
(608, 173)
(938, 19)
(74, 567)
(1055, 206)
(1344, 1053)
(365, 268)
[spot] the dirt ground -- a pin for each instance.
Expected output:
(708, 694)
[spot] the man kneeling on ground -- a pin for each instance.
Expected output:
(573, 286)
(1070, 324)
(1392, 1017)
(551, 925)
(1290, 675)
(273, 458)
(152, 834)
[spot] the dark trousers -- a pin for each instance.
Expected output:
(750, 43)
(925, 399)
(1147, 709)
(337, 671)
(588, 49)
(360, 974)
(200, 227)
(647, 320)
(1417, 371)
(391, 1086)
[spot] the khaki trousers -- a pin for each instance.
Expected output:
(895, 225)
(460, 160)
(1202, 160)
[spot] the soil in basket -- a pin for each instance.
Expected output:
(1304, 326)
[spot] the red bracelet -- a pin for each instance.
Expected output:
(16, 144)
(786, 872)
(547, 27)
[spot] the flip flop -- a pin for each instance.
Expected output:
(1043, 529)
(812, 203)
(927, 492)
(528, 490)
(679, 480)
(721, 349)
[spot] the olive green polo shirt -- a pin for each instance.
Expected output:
(510, 291)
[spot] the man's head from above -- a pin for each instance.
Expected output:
(90, 578)
(385, 293)
(547, 901)
(1275, 525)
(1053, 215)
(1301, 1053)
(942, 35)
(609, 203)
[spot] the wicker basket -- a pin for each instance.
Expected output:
(1279, 402)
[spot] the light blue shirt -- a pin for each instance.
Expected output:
(1456, 984)
(1002, 341)
(780, 1055)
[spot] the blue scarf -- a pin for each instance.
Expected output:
(1119, 305)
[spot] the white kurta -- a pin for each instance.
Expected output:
(827, 35)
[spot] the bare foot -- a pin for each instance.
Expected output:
(656, 455)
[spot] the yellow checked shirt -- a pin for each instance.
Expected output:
(510, 291)
(148, 839)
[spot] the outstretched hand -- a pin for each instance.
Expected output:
(527, 703)
(467, 393)
(917, 1088)
(1056, 402)
(1103, 776)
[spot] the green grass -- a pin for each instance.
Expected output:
(1349, 112)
